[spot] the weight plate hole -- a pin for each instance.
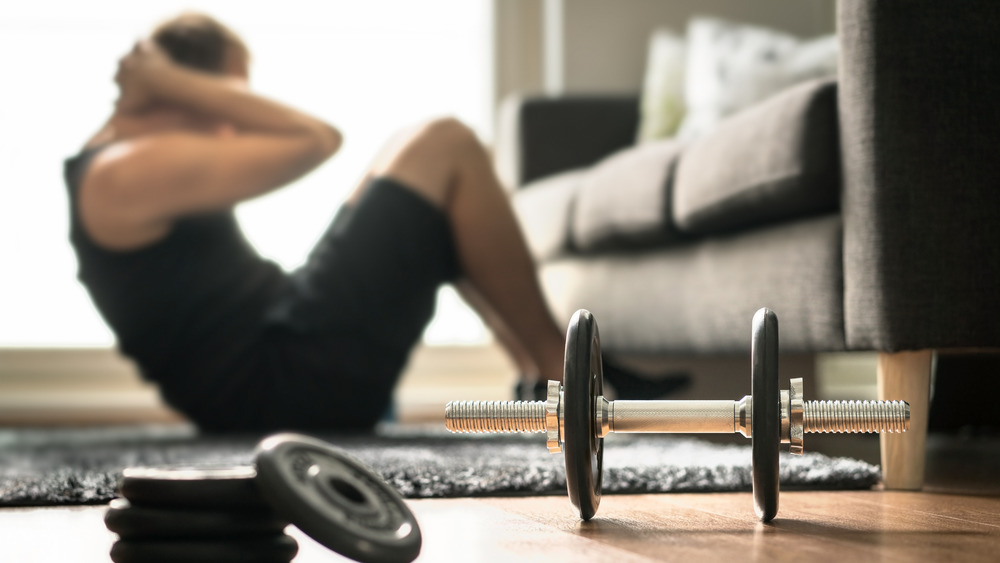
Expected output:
(348, 491)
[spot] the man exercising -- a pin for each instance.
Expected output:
(234, 342)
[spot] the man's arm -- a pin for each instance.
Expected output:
(149, 180)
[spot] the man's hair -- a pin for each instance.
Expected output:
(198, 41)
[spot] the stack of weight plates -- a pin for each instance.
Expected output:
(239, 514)
(196, 515)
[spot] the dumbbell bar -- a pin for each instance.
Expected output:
(798, 417)
(767, 416)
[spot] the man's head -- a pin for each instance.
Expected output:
(199, 41)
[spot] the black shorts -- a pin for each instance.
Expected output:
(334, 344)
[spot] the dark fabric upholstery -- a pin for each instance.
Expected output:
(624, 200)
(544, 208)
(919, 106)
(539, 136)
(699, 297)
(776, 160)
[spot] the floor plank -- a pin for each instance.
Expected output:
(817, 526)
(814, 526)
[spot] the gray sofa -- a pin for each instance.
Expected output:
(864, 210)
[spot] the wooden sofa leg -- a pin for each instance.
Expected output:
(906, 376)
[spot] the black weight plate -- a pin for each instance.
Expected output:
(765, 424)
(220, 488)
(336, 500)
(582, 384)
(276, 549)
(143, 522)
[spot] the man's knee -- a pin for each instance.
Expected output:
(427, 159)
(447, 132)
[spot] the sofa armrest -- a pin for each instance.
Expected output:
(538, 136)
(919, 109)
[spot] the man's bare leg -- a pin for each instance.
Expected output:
(444, 162)
(526, 367)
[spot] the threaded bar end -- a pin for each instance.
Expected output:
(495, 416)
(856, 416)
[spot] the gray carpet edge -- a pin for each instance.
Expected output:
(82, 466)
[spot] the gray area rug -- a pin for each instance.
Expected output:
(59, 467)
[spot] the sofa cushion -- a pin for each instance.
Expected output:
(733, 66)
(777, 160)
(624, 200)
(661, 106)
(543, 209)
(698, 297)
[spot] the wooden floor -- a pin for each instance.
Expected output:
(956, 518)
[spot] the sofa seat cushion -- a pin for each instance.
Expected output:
(624, 200)
(698, 297)
(777, 160)
(543, 209)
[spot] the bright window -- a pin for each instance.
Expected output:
(369, 67)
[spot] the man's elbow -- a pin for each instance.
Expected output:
(329, 140)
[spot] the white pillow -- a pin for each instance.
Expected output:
(733, 66)
(661, 107)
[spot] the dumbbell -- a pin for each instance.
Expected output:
(576, 417)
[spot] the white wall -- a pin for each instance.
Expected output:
(604, 43)
(517, 47)
(600, 45)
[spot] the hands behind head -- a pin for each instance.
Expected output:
(135, 71)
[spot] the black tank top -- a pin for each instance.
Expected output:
(193, 302)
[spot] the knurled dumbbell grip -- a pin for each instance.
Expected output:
(685, 417)
(722, 417)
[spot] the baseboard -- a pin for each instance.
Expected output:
(75, 386)
(438, 374)
(847, 376)
(87, 386)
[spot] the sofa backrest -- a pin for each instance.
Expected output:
(919, 105)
